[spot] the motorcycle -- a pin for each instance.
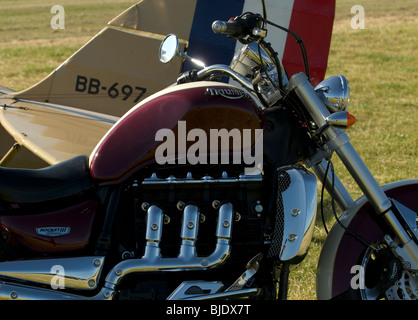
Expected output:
(159, 211)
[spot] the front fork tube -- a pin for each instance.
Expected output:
(371, 190)
(370, 187)
(406, 249)
(340, 142)
(336, 187)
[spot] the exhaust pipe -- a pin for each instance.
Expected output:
(189, 230)
(151, 260)
(80, 273)
(187, 258)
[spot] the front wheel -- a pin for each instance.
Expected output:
(347, 269)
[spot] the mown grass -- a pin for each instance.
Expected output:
(380, 62)
(27, 20)
(30, 49)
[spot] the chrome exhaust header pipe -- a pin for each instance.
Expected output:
(154, 231)
(151, 260)
(189, 230)
(187, 258)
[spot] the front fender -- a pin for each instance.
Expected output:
(341, 251)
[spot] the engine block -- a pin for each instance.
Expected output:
(173, 195)
(185, 226)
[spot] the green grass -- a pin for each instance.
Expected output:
(27, 20)
(30, 49)
(380, 62)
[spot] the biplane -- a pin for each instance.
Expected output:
(67, 113)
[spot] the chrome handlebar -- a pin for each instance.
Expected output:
(211, 70)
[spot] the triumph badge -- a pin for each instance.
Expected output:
(227, 93)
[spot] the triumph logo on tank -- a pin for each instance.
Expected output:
(227, 93)
(195, 146)
(55, 231)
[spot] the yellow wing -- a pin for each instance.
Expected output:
(53, 133)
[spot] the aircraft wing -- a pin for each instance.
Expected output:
(54, 133)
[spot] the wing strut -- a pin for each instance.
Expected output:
(10, 154)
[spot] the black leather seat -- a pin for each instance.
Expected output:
(65, 179)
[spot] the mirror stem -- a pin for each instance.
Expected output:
(193, 60)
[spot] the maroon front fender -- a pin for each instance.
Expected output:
(342, 251)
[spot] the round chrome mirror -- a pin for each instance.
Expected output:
(168, 48)
(335, 93)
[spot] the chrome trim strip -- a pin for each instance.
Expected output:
(154, 180)
(9, 291)
(13, 291)
(243, 293)
(75, 273)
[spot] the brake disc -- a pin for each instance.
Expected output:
(384, 277)
(406, 288)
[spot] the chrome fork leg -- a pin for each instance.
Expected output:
(354, 164)
(407, 250)
(370, 187)
(342, 196)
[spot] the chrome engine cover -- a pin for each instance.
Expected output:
(296, 213)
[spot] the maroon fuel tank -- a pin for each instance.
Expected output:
(131, 144)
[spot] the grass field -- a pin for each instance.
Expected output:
(380, 62)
